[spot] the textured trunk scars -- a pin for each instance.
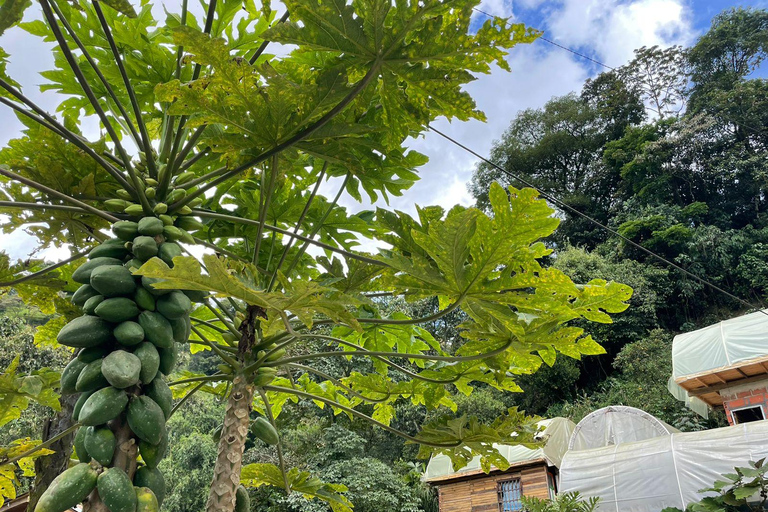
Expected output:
(226, 474)
(49, 467)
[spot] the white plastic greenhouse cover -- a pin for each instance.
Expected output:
(665, 471)
(557, 431)
(615, 425)
(720, 345)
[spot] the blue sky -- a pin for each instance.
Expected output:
(606, 30)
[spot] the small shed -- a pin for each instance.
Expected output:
(532, 472)
(724, 365)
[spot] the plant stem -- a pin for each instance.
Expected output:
(264, 44)
(44, 271)
(264, 201)
(46, 444)
(38, 206)
(186, 397)
(206, 378)
(57, 194)
(280, 458)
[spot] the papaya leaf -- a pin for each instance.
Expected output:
(121, 6)
(311, 487)
(16, 391)
(9, 480)
(11, 12)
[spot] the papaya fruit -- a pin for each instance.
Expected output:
(160, 209)
(156, 329)
(159, 391)
(116, 491)
(153, 453)
(147, 502)
(144, 247)
(79, 404)
(89, 308)
(91, 378)
(174, 305)
(83, 272)
(168, 251)
(168, 359)
(147, 283)
(182, 328)
(100, 444)
(113, 280)
(150, 192)
(79, 443)
(189, 223)
(134, 210)
(185, 236)
(242, 500)
(184, 178)
(144, 299)
(85, 331)
(216, 433)
(133, 264)
(117, 309)
(153, 479)
(81, 296)
(150, 226)
(103, 405)
(150, 361)
(68, 489)
(264, 430)
(176, 195)
(146, 419)
(196, 295)
(129, 333)
(121, 369)
(167, 219)
(114, 248)
(125, 230)
(69, 376)
(172, 233)
(91, 354)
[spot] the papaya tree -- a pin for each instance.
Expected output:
(196, 222)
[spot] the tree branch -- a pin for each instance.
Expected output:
(39, 447)
(44, 271)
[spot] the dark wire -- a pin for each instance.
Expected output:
(594, 221)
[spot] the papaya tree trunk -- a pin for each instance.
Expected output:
(49, 467)
(126, 451)
(229, 461)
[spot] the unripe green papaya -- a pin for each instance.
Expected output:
(176, 194)
(68, 489)
(216, 433)
(134, 210)
(174, 305)
(121, 369)
(185, 210)
(85, 331)
(81, 296)
(156, 329)
(160, 209)
(145, 247)
(88, 355)
(104, 405)
(150, 226)
(91, 378)
(114, 248)
(151, 182)
(89, 308)
(133, 264)
(79, 404)
(194, 203)
(225, 369)
(113, 280)
(182, 328)
(150, 361)
(186, 237)
(189, 223)
(147, 502)
(116, 491)
(168, 359)
(150, 192)
(129, 333)
(242, 500)
(123, 194)
(274, 356)
(153, 479)
(125, 230)
(161, 394)
(79, 444)
(168, 251)
(117, 205)
(146, 419)
(167, 219)
(264, 430)
(144, 299)
(117, 309)
(184, 178)
(100, 444)
(263, 378)
(83, 272)
(147, 283)
(69, 376)
(152, 454)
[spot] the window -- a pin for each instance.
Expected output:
(510, 492)
(748, 414)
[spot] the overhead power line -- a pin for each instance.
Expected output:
(555, 200)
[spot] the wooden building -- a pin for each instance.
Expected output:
(531, 473)
(724, 365)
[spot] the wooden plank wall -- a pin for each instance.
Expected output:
(480, 494)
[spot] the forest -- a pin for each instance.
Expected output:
(669, 151)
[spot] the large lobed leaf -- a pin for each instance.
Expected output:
(9, 480)
(17, 391)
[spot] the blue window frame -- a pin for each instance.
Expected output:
(510, 492)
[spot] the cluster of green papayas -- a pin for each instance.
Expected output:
(127, 340)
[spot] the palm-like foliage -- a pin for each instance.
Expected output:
(202, 124)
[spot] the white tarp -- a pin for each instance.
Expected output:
(616, 424)
(557, 432)
(664, 471)
(720, 345)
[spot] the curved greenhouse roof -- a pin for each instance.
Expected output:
(616, 424)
